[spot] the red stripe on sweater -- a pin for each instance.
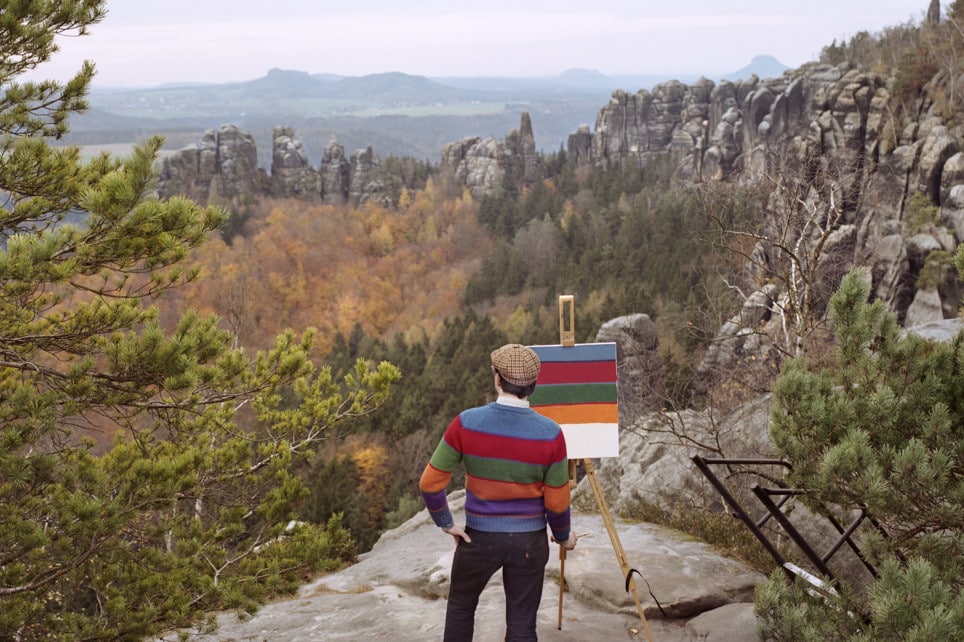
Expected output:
(481, 444)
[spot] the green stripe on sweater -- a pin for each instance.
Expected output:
(445, 458)
(503, 470)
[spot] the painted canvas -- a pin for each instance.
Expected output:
(577, 388)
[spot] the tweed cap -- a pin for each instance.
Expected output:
(516, 364)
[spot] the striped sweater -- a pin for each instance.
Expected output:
(516, 471)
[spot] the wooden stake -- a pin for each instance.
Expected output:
(562, 551)
(562, 584)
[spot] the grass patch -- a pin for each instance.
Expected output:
(724, 532)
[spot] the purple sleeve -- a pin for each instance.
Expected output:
(559, 524)
(438, 508)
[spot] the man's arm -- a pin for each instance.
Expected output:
(556, 493)
(438, 473)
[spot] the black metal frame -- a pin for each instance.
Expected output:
(765, 495)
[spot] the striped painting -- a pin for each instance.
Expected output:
(577, 388)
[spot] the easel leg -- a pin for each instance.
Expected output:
(614, 538)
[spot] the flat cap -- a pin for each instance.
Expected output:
(516, 364)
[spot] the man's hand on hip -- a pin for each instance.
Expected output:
(458, 532)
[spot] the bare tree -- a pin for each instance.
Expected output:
(789, 249)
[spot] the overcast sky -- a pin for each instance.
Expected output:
(150, 42)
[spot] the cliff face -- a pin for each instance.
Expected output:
(720, 131)
(223, 165)
(833, 132)
(483, 165)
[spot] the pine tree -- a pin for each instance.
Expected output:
(881, 429)
(188, 510)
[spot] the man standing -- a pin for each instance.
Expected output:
(516, 481)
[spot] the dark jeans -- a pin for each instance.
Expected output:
(522, 558)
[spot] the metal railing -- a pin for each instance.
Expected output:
(774, 510)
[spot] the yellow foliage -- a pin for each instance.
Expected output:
(373, 471)
(382, 240)
(300, 265)
(404, 198)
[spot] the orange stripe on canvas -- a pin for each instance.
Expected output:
(584, 413)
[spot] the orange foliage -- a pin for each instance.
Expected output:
(300, 265)
(372, 464)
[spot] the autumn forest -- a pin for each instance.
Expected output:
(433, 284)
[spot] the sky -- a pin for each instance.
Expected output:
(144, 43)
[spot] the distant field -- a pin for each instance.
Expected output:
(458, 109)
(114, 149)
(311, 108)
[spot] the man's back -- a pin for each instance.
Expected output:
(515, 464)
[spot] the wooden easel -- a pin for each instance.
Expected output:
(567, 338)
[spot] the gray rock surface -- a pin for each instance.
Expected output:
(397, 592)
(367, 183)
(926, 307)
(237, 159)
(730, 623)
(943, 331)
(579, 146)
(223, 164)
(655, 456)
(640, 367)
(476, 163)
(826, 125)
(291, 173)
(335, 174)
(521, 145)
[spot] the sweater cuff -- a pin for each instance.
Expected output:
(443, 519)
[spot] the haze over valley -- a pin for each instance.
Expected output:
(397, 114)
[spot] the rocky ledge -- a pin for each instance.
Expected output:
(397, 591)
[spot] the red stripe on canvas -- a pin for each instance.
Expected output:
(554, 372)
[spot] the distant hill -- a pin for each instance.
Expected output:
(762, 66)
(397, 114)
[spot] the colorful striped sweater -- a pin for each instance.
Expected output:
(516, 471)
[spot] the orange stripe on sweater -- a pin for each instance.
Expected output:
(489, 489)
(433, 480)
(557, 499)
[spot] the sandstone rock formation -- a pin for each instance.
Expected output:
(367, 183)
(478, 164)
(579, 146)
(291, 172)
(397, 590)
(483, 165)
(640, 366)
(223, 166)
(860, 169)
(655, 466)
(335, 175)
(521, 147)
